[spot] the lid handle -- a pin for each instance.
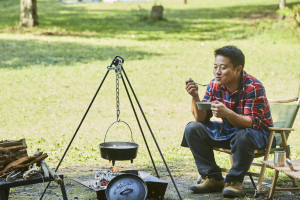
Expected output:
(126, 191)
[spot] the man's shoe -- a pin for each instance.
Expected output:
(208, 184)
(232, 189)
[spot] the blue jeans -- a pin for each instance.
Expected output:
(201, 145)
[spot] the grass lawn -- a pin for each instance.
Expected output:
(49, 74)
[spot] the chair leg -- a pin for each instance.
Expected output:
(294, 181)
(263, 167)
(285, 147)
(274, 181)
(231, 159)
(261, 177)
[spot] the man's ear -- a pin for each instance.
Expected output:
(239, 68)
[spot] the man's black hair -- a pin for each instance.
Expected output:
(235, 55)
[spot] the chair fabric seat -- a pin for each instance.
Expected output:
(283, 116)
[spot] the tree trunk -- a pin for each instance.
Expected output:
(281, 7)
(184, 1)
(157, 13)
(28, 15)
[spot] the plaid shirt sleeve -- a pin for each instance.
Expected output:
(257, 107)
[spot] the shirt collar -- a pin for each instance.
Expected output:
(243, 81)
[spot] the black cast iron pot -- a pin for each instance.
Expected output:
(118, 151)
(113, 151)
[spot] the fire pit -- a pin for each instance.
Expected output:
(156, 187)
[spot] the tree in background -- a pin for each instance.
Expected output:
(28, 15)
(281, 7)
(293, 12)
(157, 11)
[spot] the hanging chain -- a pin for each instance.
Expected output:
(117, 66)
(118, 75)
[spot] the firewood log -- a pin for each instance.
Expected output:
(13, 148)
(37, 153)
(19, 156)
(23, 151)
(6, 143)
(45, 169)
(2, 150)
(11, 151)
(23, 163)
(55, 176)
(4, 160)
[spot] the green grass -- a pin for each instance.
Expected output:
(49, 74)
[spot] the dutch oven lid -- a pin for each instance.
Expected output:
(126, 187)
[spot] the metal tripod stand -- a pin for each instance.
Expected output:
(117, 65)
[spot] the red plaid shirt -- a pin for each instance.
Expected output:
(250, 100)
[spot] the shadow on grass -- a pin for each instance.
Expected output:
(236, 22)
(24, 53)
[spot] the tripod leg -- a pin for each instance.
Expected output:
(152, 135)
(138, 121)
(85, 114)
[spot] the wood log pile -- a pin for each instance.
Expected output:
(11, 151)
(15, 162)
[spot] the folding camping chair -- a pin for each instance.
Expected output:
(283, 113)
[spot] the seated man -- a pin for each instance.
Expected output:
(239, 99)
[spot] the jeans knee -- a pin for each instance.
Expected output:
(191, 129)
(242, 138)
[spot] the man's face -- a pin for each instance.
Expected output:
(224, 72)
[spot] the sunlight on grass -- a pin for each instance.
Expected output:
(49, 74)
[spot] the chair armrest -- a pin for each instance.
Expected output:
(283, 100)
(280, 129)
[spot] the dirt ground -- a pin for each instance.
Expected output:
(77, 191)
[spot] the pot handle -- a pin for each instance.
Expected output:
(117, 122)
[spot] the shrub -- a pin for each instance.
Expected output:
(293, 12)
